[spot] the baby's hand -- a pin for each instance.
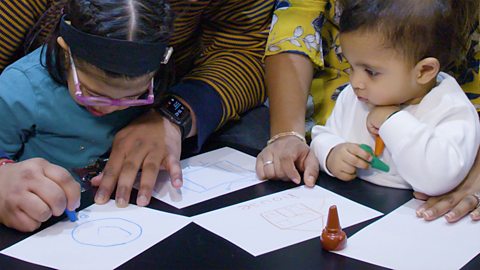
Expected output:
(344, 159)
(377, 116)
(32, 191)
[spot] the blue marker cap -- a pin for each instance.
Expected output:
(72, 215)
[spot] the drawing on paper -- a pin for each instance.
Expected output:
(298, 217)
(222, 174)
(106, 232)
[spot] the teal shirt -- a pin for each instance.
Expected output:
(39, 118)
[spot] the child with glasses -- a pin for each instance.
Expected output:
(62, 104)
(397, 51)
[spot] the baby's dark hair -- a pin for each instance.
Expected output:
(132, 20)
(416, 28)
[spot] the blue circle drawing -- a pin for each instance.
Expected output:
(106, 232)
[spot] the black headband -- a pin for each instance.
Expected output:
(130, 58)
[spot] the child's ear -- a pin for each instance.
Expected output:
(62, 43)
(426, 70)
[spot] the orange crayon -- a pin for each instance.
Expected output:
(333, 237)
(379, 146)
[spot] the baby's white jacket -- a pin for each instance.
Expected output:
(430, 147)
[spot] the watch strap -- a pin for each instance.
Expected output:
(186, 127)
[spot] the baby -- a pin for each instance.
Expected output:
(397, 50)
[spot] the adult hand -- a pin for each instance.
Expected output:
(150, 143)
(285, 159)
(377, 116)
(457, 203)
(344, 159)
(32, 191)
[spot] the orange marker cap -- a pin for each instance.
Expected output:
(379, 146)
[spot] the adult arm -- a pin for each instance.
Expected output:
(293, 49)
(227, 79)
(288, 79)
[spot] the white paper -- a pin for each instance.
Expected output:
(103, 237)
(400, 240)
(207, 176)
(282, 219)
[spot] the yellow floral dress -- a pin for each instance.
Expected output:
(310, 27)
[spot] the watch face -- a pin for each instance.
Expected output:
(176, 108)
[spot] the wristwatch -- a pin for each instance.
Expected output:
(176, 112)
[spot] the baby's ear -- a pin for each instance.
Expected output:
(427, 69)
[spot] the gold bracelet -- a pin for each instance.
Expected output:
(284, 134)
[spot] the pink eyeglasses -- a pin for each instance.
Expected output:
(103, 101)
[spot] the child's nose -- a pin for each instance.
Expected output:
(357, 82)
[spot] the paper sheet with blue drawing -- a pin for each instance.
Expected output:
(207, 176)
(103, 237)
(278, 220)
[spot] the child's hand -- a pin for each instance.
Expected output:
(32, 191)
(377, 116)
(345, 158)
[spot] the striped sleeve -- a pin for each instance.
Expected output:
(16, 20)
(234, 37)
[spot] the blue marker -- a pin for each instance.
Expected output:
(72, 215)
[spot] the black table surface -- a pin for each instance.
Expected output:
(193, 247)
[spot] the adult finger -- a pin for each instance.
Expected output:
(150, 169)
(420, 196)
(436, 208)
(96, 180)
(467, 204)
(128, 174)
(269, 166)
(110, 175)
(287, 165)
(259, 166)
(424, 206)
(475, 215)
(312, 169)
(172, 165)
(71, 189)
